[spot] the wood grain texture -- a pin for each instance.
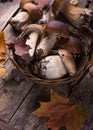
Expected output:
(7, 9)
(10, 34)
(23, 118)
(5, 126)
(11, 96)
(12, 93)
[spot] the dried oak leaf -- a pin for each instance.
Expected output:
(2, 53)
(61, 113)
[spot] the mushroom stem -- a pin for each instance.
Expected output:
(32, 41)
(46, 44)
(19, 20)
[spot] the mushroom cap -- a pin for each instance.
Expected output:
(33, 27)
(22, 2)
(58, 27)
(73, 45)
(34, 11)
(69, 61)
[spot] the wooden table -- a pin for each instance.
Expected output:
(19, 98)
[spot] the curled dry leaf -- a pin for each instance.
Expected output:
(61, 113)
(20, 49)
(2, 52)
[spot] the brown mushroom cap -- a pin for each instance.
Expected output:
(58, 27)
(22, 2)
(33, 27)
(68, 60)
(34, 11)
(73, 45)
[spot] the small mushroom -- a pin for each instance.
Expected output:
(32, 33)
(34, 11)
(19, 20)
(68, 61)
(29, 11)
(55, 30)
(52, 67)
(76, 15)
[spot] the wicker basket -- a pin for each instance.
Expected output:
(82, 67)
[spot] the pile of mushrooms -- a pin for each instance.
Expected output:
(54, 50)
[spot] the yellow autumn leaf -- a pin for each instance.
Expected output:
(2, 53)
(2, 71)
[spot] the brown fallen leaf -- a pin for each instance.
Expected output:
(2, 53)
(61, 113)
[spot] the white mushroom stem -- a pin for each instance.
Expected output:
(32, 41)
(46, 44)
(19, 20)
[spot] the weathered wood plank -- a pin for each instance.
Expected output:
(9, 34)
(83, 95)
(7, 9)
(5, 126)
(23, 119)
(12, 94)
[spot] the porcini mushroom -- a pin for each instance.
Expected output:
(29, 11)
(68, 61)
(19, 20)
(55, 30)
(33, 11)
(52, 67)
(32, 33)
(75, 15)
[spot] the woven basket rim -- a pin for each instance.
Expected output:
(69, 79)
